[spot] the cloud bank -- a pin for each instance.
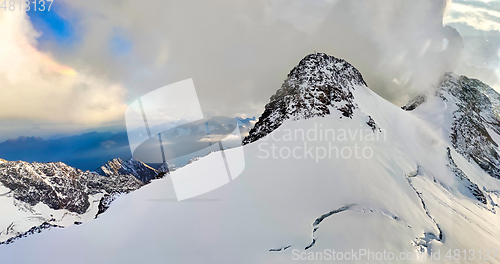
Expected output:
(239, 52)
(36, 88)
(479, 24)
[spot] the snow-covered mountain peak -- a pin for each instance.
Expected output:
(468, 94)
(132, 166)
(318, 85)
(471, 109)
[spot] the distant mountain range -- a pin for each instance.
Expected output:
(85, 152)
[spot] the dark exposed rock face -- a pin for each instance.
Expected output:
(319, 84)
(134, 167)
(371, 123)
(105, 203)
(415, 102)
(31, 231)
(60, 186)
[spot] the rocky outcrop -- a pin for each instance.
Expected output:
(415, 102)
(60, 186)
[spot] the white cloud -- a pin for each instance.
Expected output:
(479, 24)
(480, 18)
(35, 87)
(239, 52)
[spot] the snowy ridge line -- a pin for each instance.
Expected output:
(491, 210)
(32, 231)
(452, 197)
(423, 242)
(473, 188)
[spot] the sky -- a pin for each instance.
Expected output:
(77, 67)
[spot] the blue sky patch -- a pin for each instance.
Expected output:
(53, 26)
(119, 44)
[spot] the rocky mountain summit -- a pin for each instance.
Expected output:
(318, 85)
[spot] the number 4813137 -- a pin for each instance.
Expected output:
(35, 5)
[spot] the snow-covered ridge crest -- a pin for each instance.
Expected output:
(313, 88)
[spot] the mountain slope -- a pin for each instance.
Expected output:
(301, 193)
